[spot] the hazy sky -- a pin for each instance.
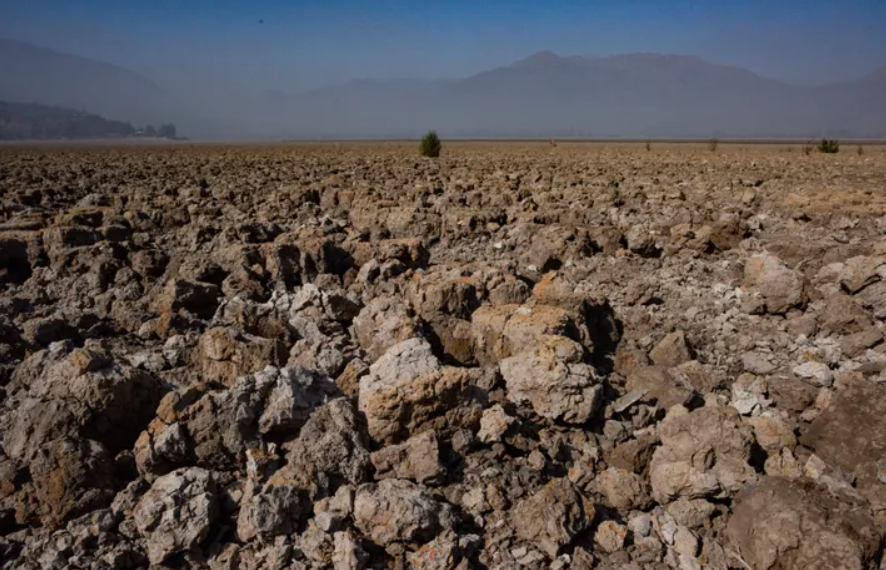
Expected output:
(304, 43)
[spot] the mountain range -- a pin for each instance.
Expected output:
(545, 95)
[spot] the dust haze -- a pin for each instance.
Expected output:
(258, 90)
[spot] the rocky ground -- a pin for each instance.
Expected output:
(516, 356)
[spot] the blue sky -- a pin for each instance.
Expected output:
(304, 44)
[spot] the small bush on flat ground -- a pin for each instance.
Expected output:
(829, 146)
(430, 145)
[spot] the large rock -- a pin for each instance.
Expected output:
(659, 385)
(296, 393)
(177, 512)
(861, 271)
(799, 524)
(331, 449)
(407, 389)
(703, 453)
(161, 448)
(552, 245)
(71, 476)
(395, 510)
(624, 490)
(551, 518)
(220, 425)
(381, 324)
(443, 553)
(35, 422)
(505, 330)
(82, 393)
(445, 303)
(44, 331)
(268, 511)
(554, 380)
(842, 315)
(417, 459)
(226, 354)
(671, 351)
(313, 311)
(348, 553)
(779, 287)
(434, 294)
(200, 299)
(850, 435)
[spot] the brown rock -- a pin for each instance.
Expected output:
(506, 330)
(395, 510)
(703, 453)
(71, 477)
(416, 459)
(660, 385)
(554, 380)
(796, 525)
(227, 354)
(852, 430)
(408, 389)
(780, 288)
(551, 518)
(671, 351)
(381, 324)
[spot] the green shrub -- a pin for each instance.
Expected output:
(430, 145)
(712, 144)
(829, 146)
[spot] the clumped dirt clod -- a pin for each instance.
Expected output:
(347, 356)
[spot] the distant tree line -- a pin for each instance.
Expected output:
(164, 131)
(32, 121)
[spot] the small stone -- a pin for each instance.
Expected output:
(347, 553)
(817, 373)
(640, 524)
(758, 363)
(623, 490)
(552, 517)
(418, 459)
(610, 536)
(685, 543)
(671, 351)
(628, 400)
(536, 460)
(494, 423)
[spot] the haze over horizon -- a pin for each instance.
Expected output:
(272, 68)
(295, 46)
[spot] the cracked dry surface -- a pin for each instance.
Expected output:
(344, 356)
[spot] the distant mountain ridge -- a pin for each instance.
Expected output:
(544, 95)
(632, 95)
(32, 74)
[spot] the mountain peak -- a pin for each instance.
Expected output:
(540, 59)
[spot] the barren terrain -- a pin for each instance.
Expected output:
(347, 356)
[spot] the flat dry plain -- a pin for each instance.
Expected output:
(343, 355)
